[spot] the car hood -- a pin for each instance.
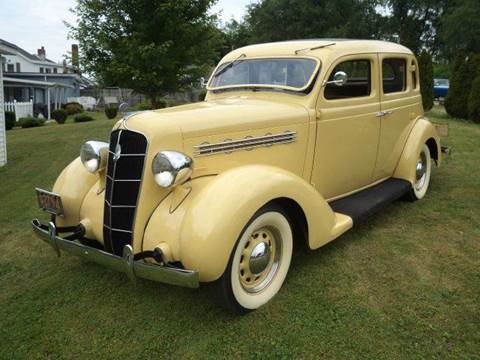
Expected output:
(217, 117)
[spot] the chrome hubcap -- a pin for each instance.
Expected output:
(260, 259)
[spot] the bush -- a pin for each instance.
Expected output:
(144, 105)
(161, 104)
(40, 108)
(82, 118)
(9, 120)
(202, 94)
(426, 79)
(111, 112)
(73, 108)
(29, 122)
(59, 115)
(456, 102)
(474, 96)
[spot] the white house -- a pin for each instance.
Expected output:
(3, 135)
(33, 77)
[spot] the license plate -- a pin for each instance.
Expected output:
(49, 202)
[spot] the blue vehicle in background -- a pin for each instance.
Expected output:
(440, 88)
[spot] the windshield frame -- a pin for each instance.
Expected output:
(266, 86)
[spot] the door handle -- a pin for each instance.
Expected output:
(383, 113)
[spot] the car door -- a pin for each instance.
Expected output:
(347, 128)
(401, 104)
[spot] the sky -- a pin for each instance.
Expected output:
(31, 24)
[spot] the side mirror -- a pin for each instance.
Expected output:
(123, 107)
(340, 78)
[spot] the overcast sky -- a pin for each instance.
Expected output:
(33, 23)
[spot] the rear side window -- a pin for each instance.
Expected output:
(394, 75)
(359, 82)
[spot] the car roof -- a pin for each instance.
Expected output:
(340, 47)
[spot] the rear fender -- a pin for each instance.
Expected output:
(423, 132)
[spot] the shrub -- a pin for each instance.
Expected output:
(426, 79)
(59, 115)
(82, 118)
(474, 97)
(111, 112)
(9, 120)
(202, 94)
(28, 122)
(73, 108)
(161, 104)
(456, 102)
(144, 105)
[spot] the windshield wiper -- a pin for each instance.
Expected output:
(232, 64)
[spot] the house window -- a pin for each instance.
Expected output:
(394, 75)
(54, 70)
(41, 70)
(48, 71)
(10, 68)
(359, 82)
(18, 67)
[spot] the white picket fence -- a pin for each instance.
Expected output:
(21, 109)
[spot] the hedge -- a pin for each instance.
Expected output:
(59, 115)
(82, 118)
(9, 120)
(111, 112)
(29, 122)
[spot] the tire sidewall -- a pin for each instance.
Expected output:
(419, 193)
(233, 294)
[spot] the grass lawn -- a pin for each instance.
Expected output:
(405, 284)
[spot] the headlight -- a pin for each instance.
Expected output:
(94, 155)
(171, 168)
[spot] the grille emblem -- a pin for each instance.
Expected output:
(118, 153)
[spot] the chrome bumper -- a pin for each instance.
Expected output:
(126, 264)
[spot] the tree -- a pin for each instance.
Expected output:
(474, 96)
(426, 79)
(152, 46)
(459, 28)
(456, 102)
(277, 20)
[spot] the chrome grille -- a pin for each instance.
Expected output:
(124, 176)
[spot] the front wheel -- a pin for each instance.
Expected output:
(423, 170)
(259, 261)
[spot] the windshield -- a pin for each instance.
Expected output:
(292, 74)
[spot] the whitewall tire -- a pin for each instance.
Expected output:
(423, 172)
(259, 261)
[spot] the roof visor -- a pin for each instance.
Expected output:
(288, 73)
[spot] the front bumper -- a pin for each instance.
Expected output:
(126, 264)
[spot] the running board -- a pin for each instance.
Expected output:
(365, 203)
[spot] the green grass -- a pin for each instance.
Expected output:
(406, 284)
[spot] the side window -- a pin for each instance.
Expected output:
(414, 75)
(394, 75)
(359, 80)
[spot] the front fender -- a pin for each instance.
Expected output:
(422, 132)
(216, 216)
(72, 185)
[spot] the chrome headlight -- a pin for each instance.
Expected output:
(171, 168)
(94, 155)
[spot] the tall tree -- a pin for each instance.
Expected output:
(151, 46)
(276, 20)
(456, 102)
(459, 28)
(426, 79)
(413, 22)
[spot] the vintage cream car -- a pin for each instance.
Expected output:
(296, 142)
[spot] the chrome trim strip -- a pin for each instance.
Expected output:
(247, 143)
(120, 180)
(115, 229)
(111, 152)
(125, 264)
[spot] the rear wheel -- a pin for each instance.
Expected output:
(259, 261)
(423, 170)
